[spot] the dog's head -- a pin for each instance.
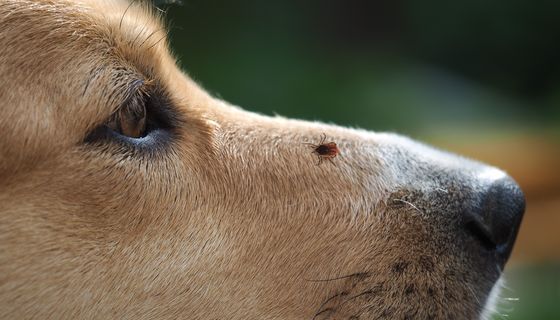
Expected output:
(129, 192)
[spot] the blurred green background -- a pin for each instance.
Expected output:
(481, 78)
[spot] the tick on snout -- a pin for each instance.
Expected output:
(324, 150)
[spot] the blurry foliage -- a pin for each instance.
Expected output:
(531, 292)
(407, 66)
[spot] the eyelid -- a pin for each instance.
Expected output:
(137, 90)
(162, 121)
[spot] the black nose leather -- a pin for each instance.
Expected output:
(495, 221)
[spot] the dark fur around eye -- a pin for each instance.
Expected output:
(160, 123)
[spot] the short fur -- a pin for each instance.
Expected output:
(232, 218)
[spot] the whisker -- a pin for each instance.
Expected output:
(320, 310)
(124, 13)
(138, 35)
(410, 204)
(148, 37)
(361, 294)
(442, 190)
(358, 274)
(470, 289)
(165, 36)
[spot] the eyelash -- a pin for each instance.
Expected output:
(159, 130)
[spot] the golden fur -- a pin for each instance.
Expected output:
(229, 219)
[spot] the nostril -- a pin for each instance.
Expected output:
(479, 232)
(495, 221)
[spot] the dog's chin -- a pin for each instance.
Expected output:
(445, 295)
(492, 305)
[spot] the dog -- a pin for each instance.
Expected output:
(129, 192)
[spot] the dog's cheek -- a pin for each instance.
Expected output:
(111, 195)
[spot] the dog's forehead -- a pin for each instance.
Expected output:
(82, 19)
(129, 20)
(45, 36)
(69, 63)
(45, 43)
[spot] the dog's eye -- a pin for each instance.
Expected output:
(130, 121)
(144, 121)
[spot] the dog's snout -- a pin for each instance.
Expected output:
(495, 221)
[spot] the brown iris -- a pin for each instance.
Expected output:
(130, 120)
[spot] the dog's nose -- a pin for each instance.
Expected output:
(495, 221)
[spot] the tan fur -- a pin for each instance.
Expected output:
(232, 220)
